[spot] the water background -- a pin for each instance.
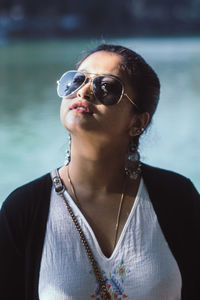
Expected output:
(32, 139)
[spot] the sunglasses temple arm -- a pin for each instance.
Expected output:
(131, 101)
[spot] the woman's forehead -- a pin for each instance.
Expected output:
(102, 62)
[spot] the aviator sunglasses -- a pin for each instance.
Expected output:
(107, 89)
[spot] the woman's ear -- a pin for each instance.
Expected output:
(139, 123)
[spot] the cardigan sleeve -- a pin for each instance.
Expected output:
(177, 205)
(22, 228)
(189, 249)
(11, 259)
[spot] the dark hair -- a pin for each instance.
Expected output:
(141, 76)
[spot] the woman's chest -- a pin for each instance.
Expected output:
(141, 265)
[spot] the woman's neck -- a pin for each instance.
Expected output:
(96, 166)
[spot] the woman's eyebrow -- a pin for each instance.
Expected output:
(82, 70)
(110, 74)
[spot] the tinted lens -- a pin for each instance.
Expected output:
(107, 89)
(69, 83)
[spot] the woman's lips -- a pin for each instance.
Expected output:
(81, 106)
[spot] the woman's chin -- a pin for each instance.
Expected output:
(78, 121)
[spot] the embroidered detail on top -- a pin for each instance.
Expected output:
(114, 282)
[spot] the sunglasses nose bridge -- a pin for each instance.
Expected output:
(85, 91)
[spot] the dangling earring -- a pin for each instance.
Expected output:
(68, 151)
(132, 163)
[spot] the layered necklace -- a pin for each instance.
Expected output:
(60, 189)
(119, 208)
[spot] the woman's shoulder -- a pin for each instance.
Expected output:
(158, 177)
(29, 194)
(156, 172)
(169, 188)
(24, 211)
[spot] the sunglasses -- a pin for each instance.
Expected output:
(107, 89)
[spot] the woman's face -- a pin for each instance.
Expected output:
(111, 121)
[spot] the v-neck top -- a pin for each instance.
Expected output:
(141, 266)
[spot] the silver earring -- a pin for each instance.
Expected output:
(68, 152)
(139, 130)
(132, 163)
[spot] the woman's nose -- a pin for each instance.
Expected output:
(85, 92)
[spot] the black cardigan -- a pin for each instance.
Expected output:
(23, 219)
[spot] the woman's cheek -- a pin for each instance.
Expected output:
(64, 110)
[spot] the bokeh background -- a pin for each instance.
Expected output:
(40, 40)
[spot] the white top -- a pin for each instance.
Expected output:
(141, 266)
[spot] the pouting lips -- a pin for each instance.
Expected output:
(81, 107)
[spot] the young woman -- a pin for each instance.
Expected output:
(105, 225)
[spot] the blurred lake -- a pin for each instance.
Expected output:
(32, 139)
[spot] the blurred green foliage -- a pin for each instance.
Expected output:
(127, 17)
